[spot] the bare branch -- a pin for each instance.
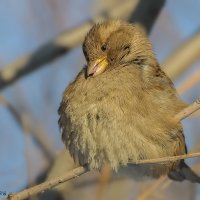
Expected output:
(48, 184)
(71, 38)
(188, 111)
(167, 159)
(183, 57)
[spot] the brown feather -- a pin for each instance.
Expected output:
(126, 112)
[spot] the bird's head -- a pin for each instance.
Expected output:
(113, 44)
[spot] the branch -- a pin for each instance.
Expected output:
(71, 38)
(81, 170)
(188, 111)
(146, 13)
(48, 184)
(187, 54)
(189, 82)
(167, 159)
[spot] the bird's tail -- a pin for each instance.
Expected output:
(184, 172)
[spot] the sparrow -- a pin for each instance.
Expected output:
(120, 107)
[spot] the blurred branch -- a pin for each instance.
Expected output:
(71, 38)
(18, 117)
(196, 168)
(25, 123)
(189, 82)
(146, 13)
(162, 182)
(105, 177)
(152, 188)
(183, 57)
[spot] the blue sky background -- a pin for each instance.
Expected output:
(24, 26)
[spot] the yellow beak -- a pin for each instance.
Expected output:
(97, 67)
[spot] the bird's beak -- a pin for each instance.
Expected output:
(97, 67)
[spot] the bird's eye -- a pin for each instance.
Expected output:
(111, 59)
(103, 48)
(127, 47)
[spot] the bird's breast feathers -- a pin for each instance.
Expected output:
(109, 119)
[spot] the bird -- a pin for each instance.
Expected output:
(120, 107)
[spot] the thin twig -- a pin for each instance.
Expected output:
(188, 111)
(48, 184)
(168, 159)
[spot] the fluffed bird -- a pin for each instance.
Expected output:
(120, 108)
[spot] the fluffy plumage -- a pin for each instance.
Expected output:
(123, 111)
